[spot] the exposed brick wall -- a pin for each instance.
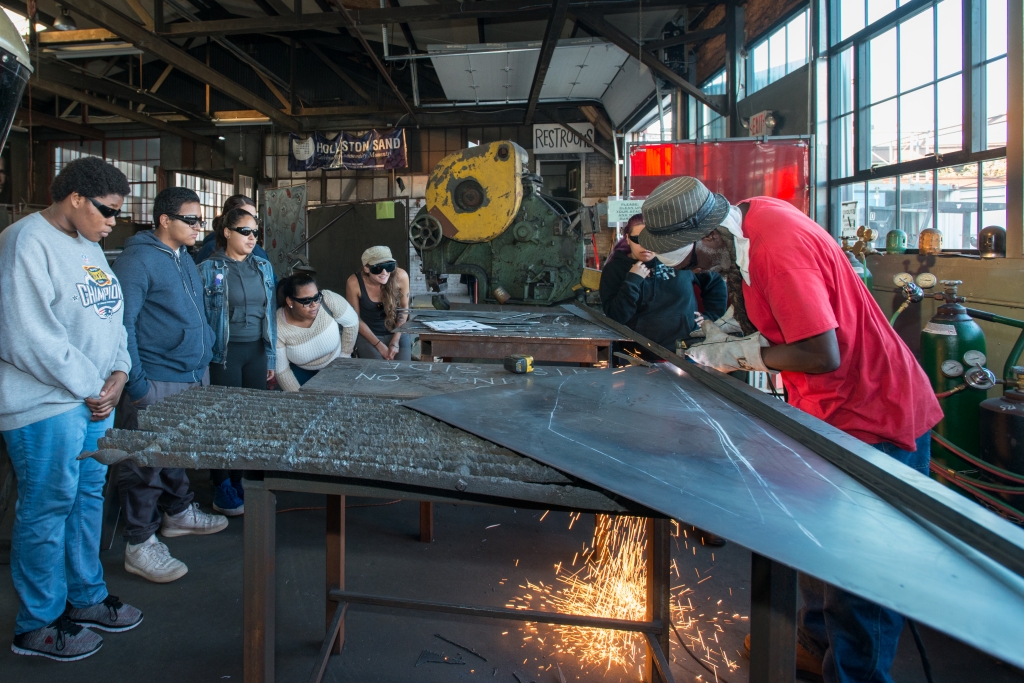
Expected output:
(600, 180)
(759, 16)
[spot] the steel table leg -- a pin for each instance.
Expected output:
(658, 607)
(427, 522)
(258, 583)
(773, 604)
(335, 563)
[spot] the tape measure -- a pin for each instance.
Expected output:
(519, 364)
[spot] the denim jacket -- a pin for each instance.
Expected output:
(214, 272)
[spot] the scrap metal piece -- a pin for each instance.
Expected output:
(463, 647)
(431, 657)
(368, 438)
(672, 444)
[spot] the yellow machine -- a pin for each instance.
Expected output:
(487, 217)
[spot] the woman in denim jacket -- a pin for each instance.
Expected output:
(238, 293)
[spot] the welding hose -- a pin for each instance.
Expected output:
(952, 391)
(1010, 512)
(903, 307)
(977, 462)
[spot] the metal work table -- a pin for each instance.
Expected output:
(342, 445)
(551, 335)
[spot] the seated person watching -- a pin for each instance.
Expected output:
(654, 298)
(308, 337)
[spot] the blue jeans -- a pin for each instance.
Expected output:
(55, 551)
(855, 638)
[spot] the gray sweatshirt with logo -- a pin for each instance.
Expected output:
(61, 331)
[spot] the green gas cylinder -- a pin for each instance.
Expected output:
(952, 354)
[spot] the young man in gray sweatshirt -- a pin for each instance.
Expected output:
(171, 345)
(63, 363)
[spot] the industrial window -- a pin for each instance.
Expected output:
(916, 140)
(137, 158)
(712, 123)
(658, 129)
(782, 52)
(212, 194)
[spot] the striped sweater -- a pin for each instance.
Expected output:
(312, 348)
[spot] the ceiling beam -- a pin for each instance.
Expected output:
(99, 103)
(108, 18)
(594, 115)
(82, 35)
(339, 72)
(342, 10)
(144, 16)
(444, 10)
(547, 49)
(406, 31)
(601, 27)
(58, 72)
(40, 119)
(685, 38)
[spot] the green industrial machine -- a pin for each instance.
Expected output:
(486, 217)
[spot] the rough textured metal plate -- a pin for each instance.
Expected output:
(408, 380)
(365, 438)
(668, 443)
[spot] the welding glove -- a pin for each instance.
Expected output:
(728, 354)
(727, 324)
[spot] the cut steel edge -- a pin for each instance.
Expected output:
(905, 489)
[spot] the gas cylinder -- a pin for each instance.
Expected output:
(1001, 422)
(952, 345)
(858, 266)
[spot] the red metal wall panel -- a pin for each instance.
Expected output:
(737, 169)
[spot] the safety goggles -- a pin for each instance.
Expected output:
(105, 211)
(309, 300)
(190, 221)
(245, 232)
(379, 268)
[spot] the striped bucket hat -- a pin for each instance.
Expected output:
(680, 212)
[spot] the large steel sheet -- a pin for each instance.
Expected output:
(667, 442)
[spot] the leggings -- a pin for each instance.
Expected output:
(246, 367)
(365, 350)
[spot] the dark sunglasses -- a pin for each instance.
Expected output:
(381, 267)
(635, 239)
(245, 232)
(190, 221)
(309, 300)
(105, 211)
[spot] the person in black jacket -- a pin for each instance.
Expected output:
(654, 299)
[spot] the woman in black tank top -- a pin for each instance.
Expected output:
(380, 294)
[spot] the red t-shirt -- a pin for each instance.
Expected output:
(802, 285)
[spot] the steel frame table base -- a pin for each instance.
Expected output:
(259, 582)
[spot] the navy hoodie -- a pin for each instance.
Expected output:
(169, 339)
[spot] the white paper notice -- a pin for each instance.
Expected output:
(456, 325)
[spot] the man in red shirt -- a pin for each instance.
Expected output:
(806, 314)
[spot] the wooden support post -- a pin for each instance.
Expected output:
(427, 522)
(772, 621)
(258, 583)
(658, 607)
(335, 563)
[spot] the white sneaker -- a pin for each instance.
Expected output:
(152, 560)
(192, 520)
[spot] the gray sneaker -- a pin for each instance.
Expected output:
(63, 641)
(192, 520)
(110, 615)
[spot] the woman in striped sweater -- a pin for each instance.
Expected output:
(307, 330)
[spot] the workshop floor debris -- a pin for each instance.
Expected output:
(482, 555)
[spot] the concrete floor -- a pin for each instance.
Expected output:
(193, 627)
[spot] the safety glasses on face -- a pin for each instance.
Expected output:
(379, 268)
(635, 239)
(245, 232)
(190, 221)
(105, 211)
(309, 300)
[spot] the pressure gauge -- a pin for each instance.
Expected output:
(974, 357)
(926, 280)
(902, 279)
(952, 368)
